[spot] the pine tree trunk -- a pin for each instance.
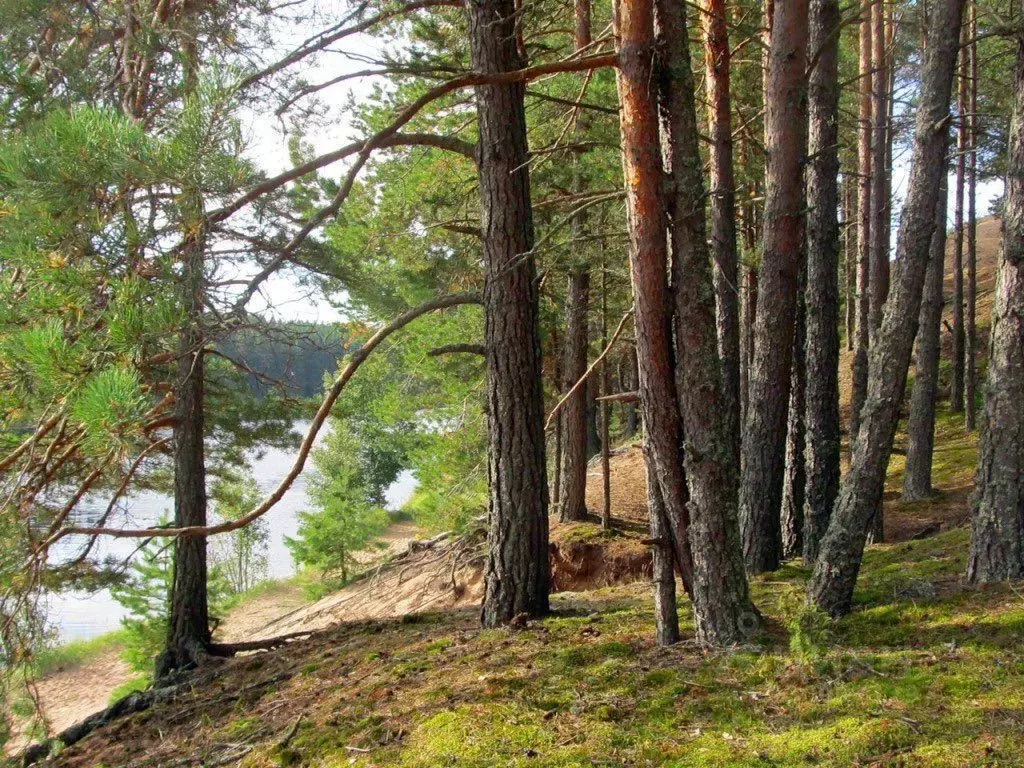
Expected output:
(822, 387)
(666, 616)
(556, 482)
(724, 251)
(648, 262)
(572, 496)
(879, 208)
(849, 261)
(606, 409)
(860, 494)
(764, 435)
(188, 623)
(629, 383)
(794, 482)
(971, 289)
(593, 433)
(956, 387)
(723, 613)
(749, 310)
(997, 522)
(516, 575)
(917, 475)
(860, 357)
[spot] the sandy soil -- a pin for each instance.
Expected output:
(252, 619)
(71, 694)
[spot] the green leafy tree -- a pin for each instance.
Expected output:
(345, 518)
(241, 555)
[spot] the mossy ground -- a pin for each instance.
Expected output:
(924, 672)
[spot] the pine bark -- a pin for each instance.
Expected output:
(764, 435)
(971, 288)
(723, 613)
(188, 622)
(516, 575)
(956, 387)
(648, 262)
(860, 357)
(794, 482)
(572, 496)
(724, 249)
(822, 356)
(917, 475)
(997, 520)
(835, 573)
(879, 201)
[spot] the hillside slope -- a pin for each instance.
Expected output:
(899, 682)
(924, 672)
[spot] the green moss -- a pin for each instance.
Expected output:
(586, 533)
(924, 672)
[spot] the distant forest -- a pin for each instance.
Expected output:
(293, 355)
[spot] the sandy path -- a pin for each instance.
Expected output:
(71, 694)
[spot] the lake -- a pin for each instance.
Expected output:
(80, 615)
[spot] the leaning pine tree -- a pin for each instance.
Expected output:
(722, 611)
(835, 573)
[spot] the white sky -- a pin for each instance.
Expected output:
(267, 141)
(267, 145)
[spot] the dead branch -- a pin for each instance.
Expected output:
(449, 349)
(620, 397)
(583, 379)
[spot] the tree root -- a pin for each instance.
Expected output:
(138, 701)
(172, 685)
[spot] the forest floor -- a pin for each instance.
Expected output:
(81, 678)
(925, 671)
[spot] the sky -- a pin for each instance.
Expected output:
(267, 146)
(267, 140)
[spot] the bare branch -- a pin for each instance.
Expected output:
(583, 379)
(339, 32)
(448, 349)
(357, 359)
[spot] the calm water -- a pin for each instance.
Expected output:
(80, 616)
